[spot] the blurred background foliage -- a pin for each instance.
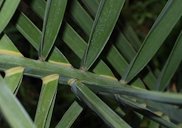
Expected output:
(140, 14)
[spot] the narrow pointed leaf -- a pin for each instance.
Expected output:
(103, 26)
(173, 112)
(150, 80)
(46, 101)
(70, 36)
(70, 116)
(6, 12)
(122, 44)
(131, 36)
(7, 46)
(117, 60)
(97, 105)
(33, 35)
(74, 41)
(39, 7)
(158, 33)
(58, 57)
(124, 47)
(54, 14)
(28, 30)
(145, 111)
(122, 50)
(85, 22)
(171, 65)
(49, 116)
(92, 5)
(103, 69)
(81, 17)
(13, 78)
(13, 111)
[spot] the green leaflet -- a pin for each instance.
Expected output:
(159, 32)
(103, 26)
(97, 105)
(131, 36)
(13, 78)
(81, 17)
(124, 36)
(102, 69)
(122, 44)
(172, 111)
(150, 80)
(114, 59)
(124, 47)
(6, 12)
(117, 55)
(33, 35)
(13, 111)
(171, 65)
(69, 37)
(92, 5)
(117, 60)
(54, 14)
(28, 30)
(7, 46)
(39, 7)
(122, 51)
(70, 116)
(46, 101)
(113, 56)
(57, 56)
(145, 111)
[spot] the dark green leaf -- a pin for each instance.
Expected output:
(33, 35)
(145, 111)
(12, 109)
(70, 116)
(6, 12)
(13, 78)
(54, 14)
(171, 65)
(7, 46)
(103, 26)
(97, 105)
(46, 101)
